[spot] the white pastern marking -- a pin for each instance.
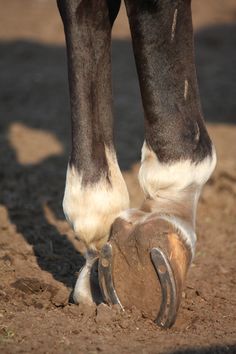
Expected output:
(173, 27)
(158, 178)
(175, 188)
(92, 209)
(82, 292)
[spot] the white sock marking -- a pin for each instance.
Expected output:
(92, 209)
(175, 187)
(82, 291)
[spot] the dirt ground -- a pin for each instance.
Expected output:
(39, 255)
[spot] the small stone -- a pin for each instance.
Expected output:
(124, 323)
(87, 310)
(104, 314)
(2, 293)
(38, 305)
(61, 298)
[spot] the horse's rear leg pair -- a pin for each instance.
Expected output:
(177, 154)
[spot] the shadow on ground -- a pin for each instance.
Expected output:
(34, 92)
(224, 349)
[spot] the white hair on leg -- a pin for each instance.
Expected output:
(157, 178)
(91, 209)
(175, 189)
(82, 292)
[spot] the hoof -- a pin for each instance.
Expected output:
(145, 266)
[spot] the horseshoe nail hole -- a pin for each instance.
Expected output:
(105, 263)
(162, 269)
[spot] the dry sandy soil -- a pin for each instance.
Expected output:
(39, 255)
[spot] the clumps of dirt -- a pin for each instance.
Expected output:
(106, 317)
(40, 294)
(106, 314)
(30, 285)
(61, 298)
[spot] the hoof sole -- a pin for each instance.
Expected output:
(169, 304)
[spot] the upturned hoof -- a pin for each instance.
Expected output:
(145, 265)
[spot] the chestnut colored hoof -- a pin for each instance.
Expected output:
(145, 266)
